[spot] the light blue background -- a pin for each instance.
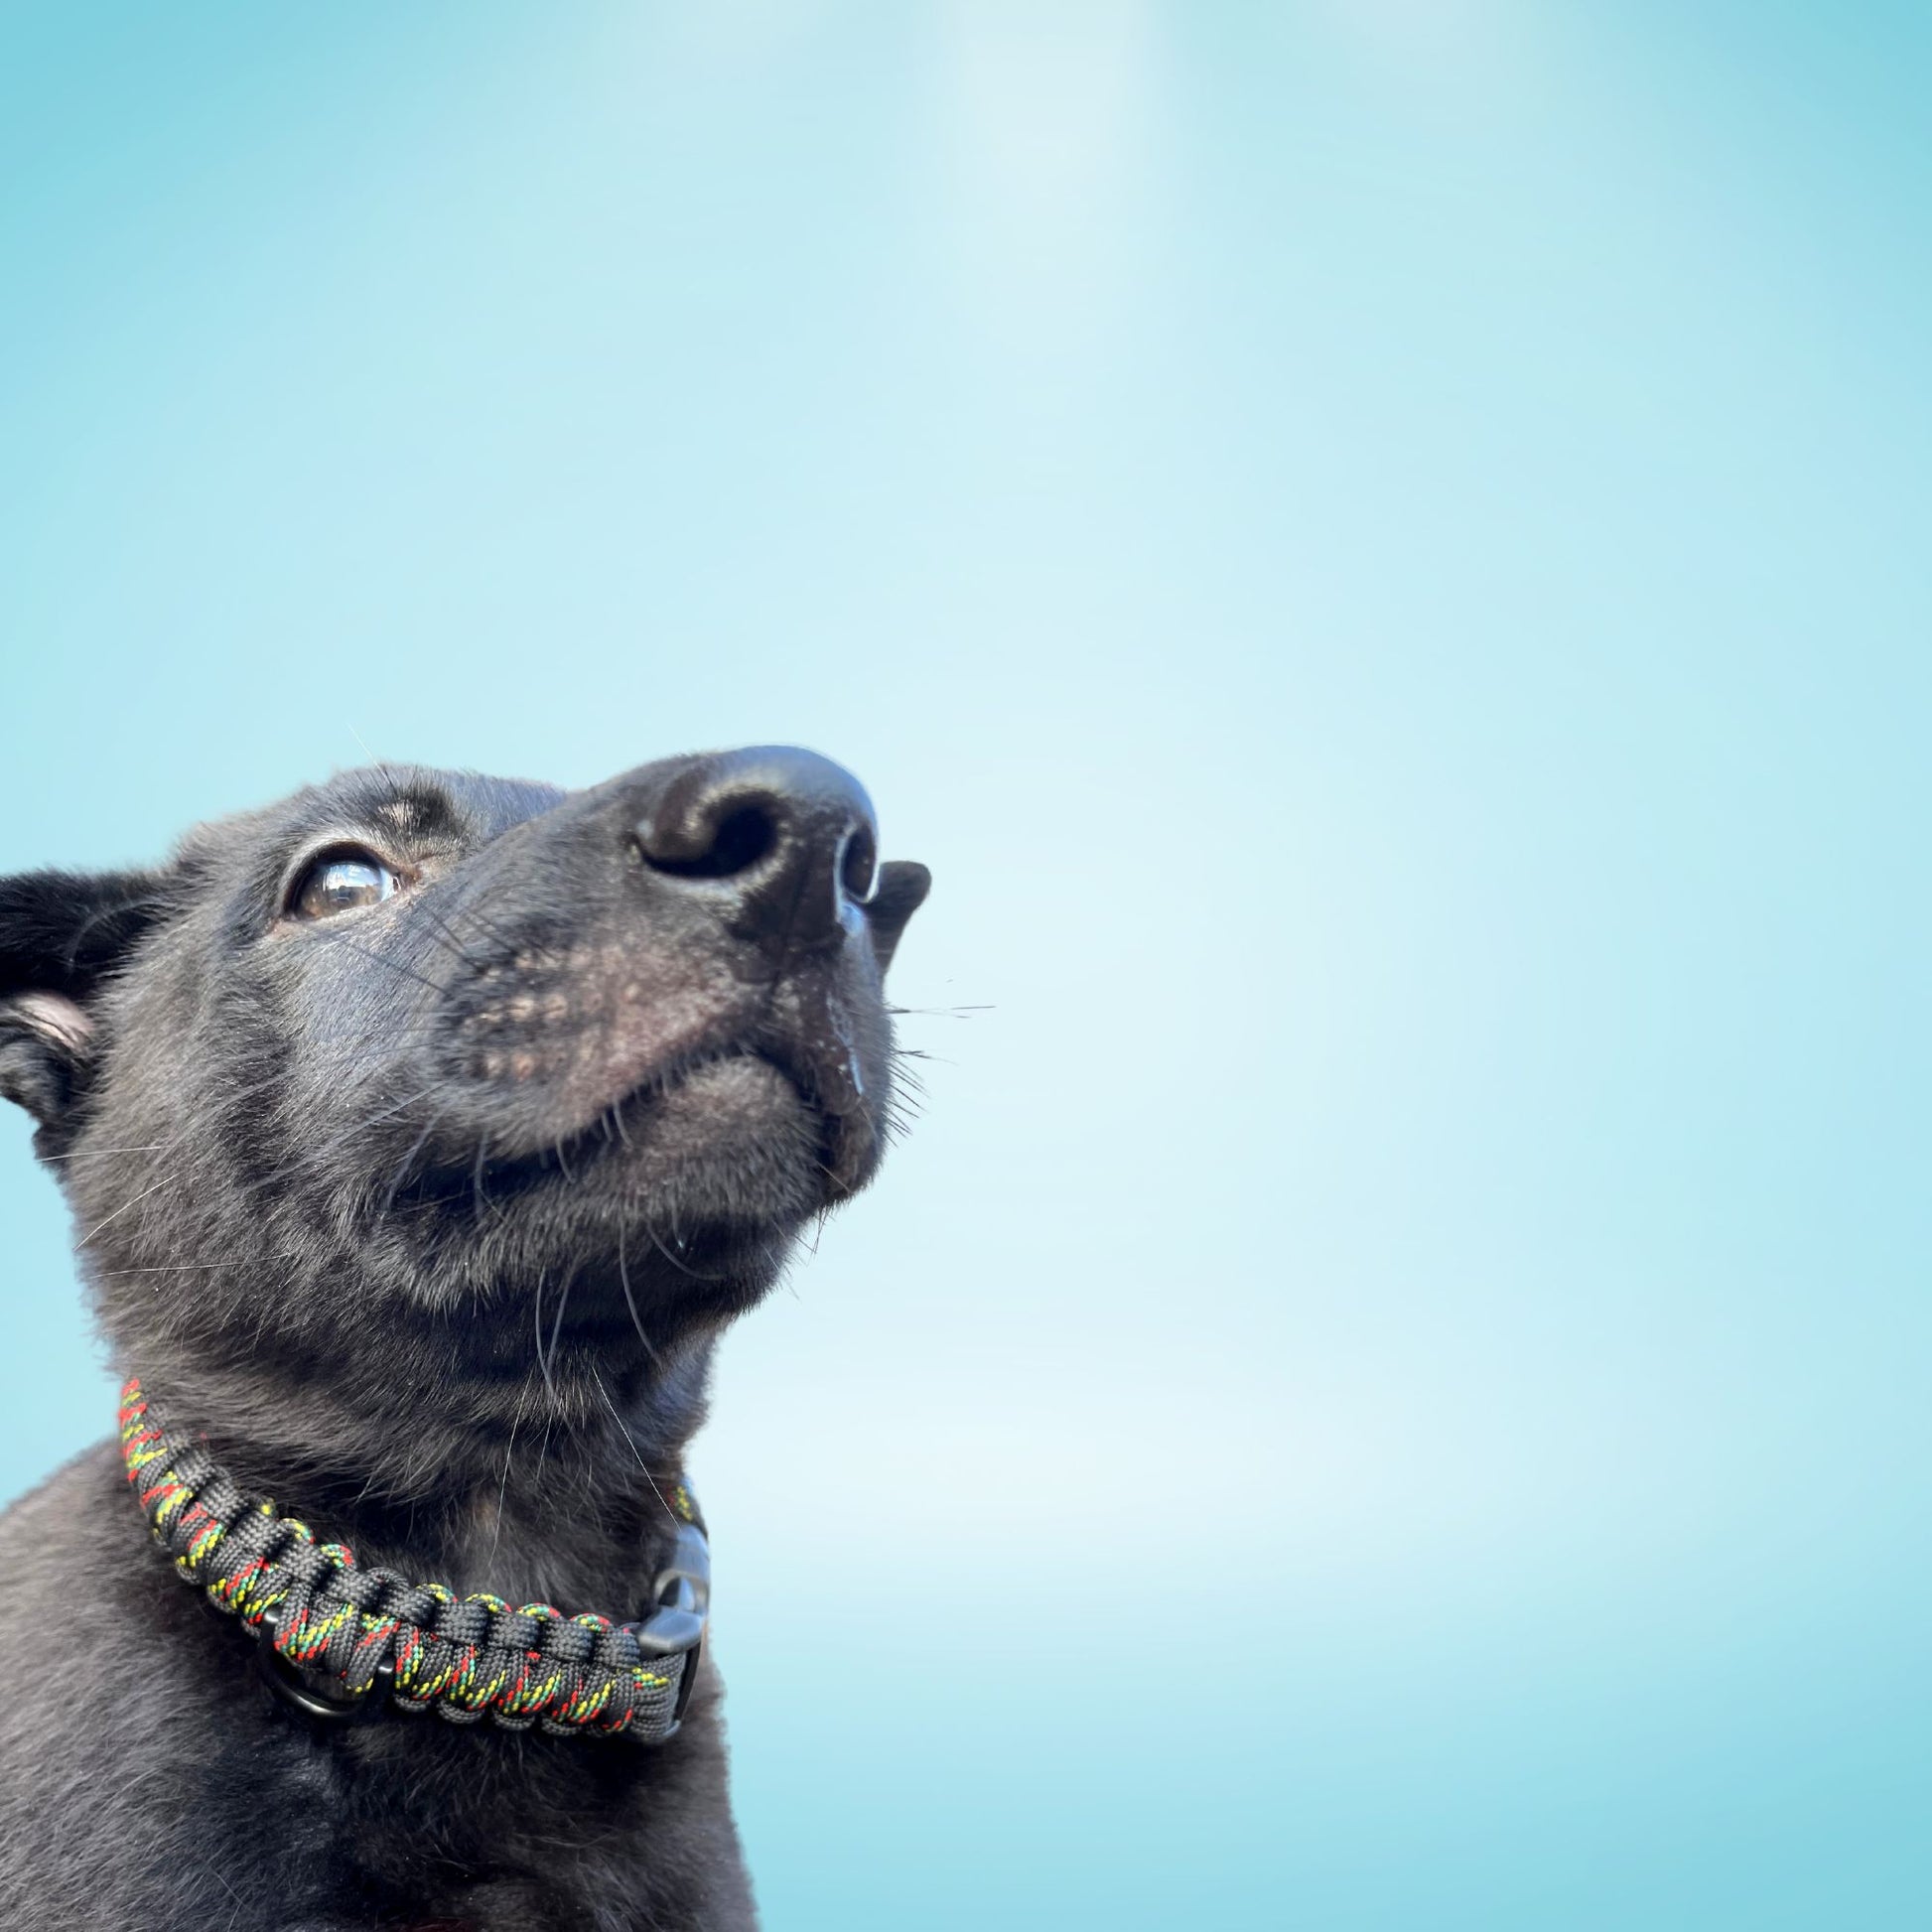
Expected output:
(1379, 550)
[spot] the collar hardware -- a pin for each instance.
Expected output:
(309, 1693)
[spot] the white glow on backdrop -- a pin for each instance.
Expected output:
(1051, 131)
(1446, 45)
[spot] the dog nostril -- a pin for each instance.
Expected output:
(858, 866)
(739, 840)
(779, 842)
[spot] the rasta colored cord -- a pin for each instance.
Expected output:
(334, 1623)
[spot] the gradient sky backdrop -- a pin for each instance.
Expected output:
(1379, 550)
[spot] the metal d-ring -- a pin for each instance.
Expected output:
(298, 1688)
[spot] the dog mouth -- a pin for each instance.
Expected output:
(740, 1109)
(742, 1091)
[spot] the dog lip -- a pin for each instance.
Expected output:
(676, 1073)
(595, 1127)
(681, 1071)
(841, 1149)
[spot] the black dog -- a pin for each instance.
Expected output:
(423, 1133)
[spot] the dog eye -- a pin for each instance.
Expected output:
(340, 881)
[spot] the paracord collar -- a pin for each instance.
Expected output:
(339, 1640)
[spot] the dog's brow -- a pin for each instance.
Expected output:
(411, 815)
(402, 805)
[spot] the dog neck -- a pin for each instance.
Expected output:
(554, 1488)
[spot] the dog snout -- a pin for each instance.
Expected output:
(785, 838)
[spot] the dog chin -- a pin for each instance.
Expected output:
(734, 1142)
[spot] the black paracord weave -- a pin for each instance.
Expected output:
(350, 1628)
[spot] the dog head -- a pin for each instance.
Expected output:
(381, 1068)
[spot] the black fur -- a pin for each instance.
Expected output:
(429, 1213)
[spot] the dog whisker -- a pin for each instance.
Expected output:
(683, 1267)
(503, 1487)
(556, 1328)
(191, 1267)
(149, 1147)
(634, 1450)
(107, 1220)
(630, 1299)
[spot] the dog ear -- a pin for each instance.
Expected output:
(61, 935)
(901, 892)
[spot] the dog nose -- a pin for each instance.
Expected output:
(788, 835)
